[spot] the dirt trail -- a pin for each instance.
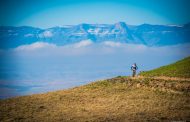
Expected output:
(165, 78)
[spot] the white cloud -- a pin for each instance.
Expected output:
(112, 44)
(79, 48)
(34, 46)
(83, 43)
(62, 49)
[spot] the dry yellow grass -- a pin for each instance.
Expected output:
(118, 99)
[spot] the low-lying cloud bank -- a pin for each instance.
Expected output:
(88, 47)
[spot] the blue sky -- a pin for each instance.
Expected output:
(49, 13)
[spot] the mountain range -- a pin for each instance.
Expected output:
(146, 34)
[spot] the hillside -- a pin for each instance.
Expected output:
(179, 69)
(118, 99)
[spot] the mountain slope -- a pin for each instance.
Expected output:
(117, 99)
(179, 69)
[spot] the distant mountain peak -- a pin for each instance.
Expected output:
(120, 25)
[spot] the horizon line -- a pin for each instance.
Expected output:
(95, 24)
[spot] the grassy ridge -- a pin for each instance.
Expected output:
(118, 99)
(179, 69)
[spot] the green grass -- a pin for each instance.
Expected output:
(179, 69)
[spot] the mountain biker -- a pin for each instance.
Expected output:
(134, 69)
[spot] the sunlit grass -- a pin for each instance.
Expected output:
(178, 69)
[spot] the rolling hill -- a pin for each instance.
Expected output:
(118, 99)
